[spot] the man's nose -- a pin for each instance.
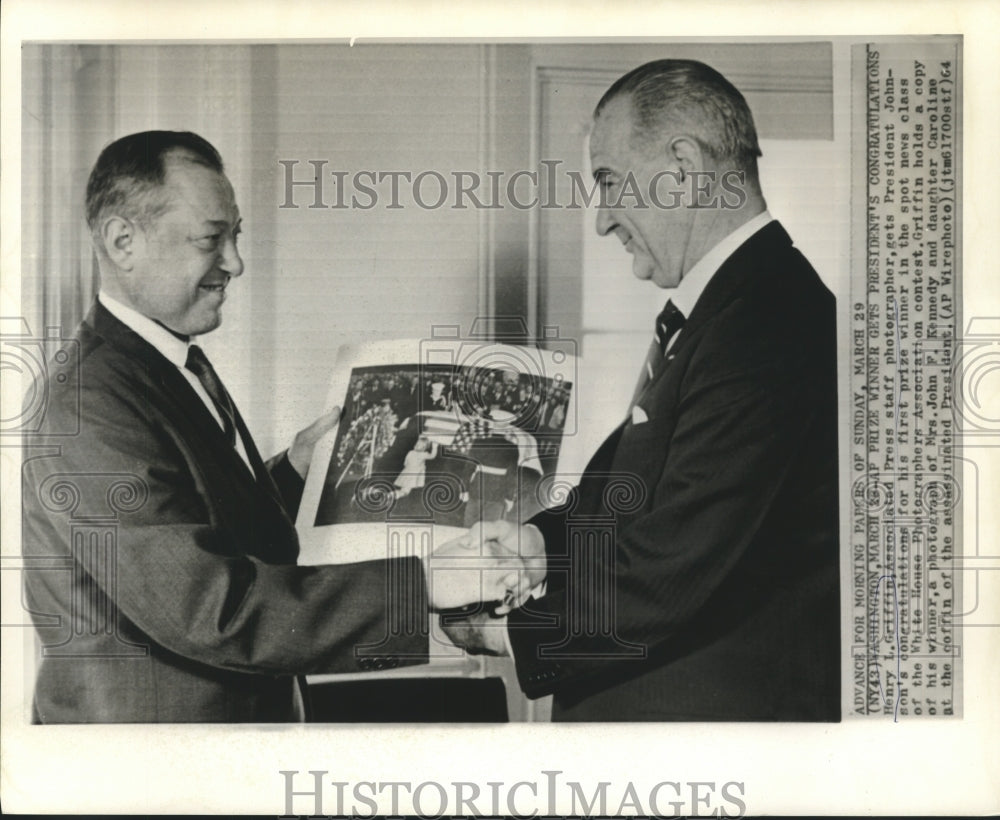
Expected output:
(232, 262)
(605, 221)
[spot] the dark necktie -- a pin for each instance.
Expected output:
(198, 363)
(668, 323)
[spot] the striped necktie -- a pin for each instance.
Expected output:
(198, 363)
(668, 323)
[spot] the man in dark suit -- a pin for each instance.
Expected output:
(161, 550)
(693, 573)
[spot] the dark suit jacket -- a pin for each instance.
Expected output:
(162, 573)
(694, 572)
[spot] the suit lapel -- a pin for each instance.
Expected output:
(737, 273)
(733, 276)
(264, 479)
(173, 383)
(200, 422)
(646, 386)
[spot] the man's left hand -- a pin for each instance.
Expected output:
(477, 634)
(301, 452)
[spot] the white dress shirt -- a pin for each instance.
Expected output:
(174, 350)
(685, 296)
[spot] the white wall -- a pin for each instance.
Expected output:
(316, 279)
(347, 276)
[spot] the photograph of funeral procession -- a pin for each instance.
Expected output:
(443, 443)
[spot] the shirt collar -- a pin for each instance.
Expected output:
(686, 294)
(173, 349)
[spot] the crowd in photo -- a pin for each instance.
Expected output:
(533, 404)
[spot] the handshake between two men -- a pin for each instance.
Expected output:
(493, 561)
(719, 599)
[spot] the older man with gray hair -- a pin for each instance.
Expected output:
(711, 590)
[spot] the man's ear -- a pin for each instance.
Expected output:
(686, 154)
(119, 236)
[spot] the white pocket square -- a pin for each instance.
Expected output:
(639, 415)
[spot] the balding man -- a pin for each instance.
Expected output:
(162, 556)
(709, 590)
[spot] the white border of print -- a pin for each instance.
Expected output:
(860, 766)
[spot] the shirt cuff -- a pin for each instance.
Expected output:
(506, 640)
(536, 592)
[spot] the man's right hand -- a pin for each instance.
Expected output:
(493, 561)
(458, 576)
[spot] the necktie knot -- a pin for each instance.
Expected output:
(198, 363)
(668, 323)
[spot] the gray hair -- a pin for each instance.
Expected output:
(687, 94)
